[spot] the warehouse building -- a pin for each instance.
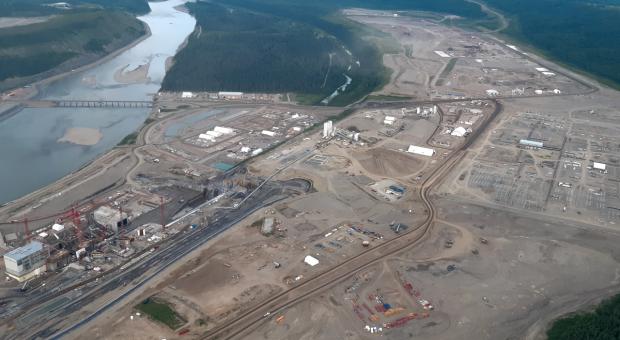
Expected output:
(27, 261)
(421, 151)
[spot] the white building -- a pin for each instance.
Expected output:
(268, 133)
(328, 129)
(389, 120)
(230, 95)
(257, 152)
(186, 95)
(206, 137)
(311, 261)
(492, 93)
(421, 151)
(245, 149)
(599, 166)
(223, 130)
(27, 261)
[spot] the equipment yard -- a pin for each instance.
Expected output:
(483, 208)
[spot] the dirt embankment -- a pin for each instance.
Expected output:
(384, 162)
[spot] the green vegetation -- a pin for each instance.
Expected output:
(161, 312)
(32, 49)
(577, 33)
(446, 71)
(27, 8)
(602, 324)
(285, 46)
(130, 139)
(241, 50)
(386, 98)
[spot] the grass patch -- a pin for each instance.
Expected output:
(308, 99)
(446, 71)
(161, 312)
(387, 98)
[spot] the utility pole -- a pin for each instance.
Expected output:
(162, 217)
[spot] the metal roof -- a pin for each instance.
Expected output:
(25, 251)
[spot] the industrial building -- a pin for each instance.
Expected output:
(421, 151)
(110, 218)
(27, 261)
(328, 129)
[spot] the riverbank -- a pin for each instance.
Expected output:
(39, 85)
(49, 161)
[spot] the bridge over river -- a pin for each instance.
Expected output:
(126, 104)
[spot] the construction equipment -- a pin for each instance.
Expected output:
(393, 311)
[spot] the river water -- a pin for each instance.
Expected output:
(30, 154)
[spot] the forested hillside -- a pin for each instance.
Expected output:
(32, 49)
(28, 8)
(285, 46)
(239, 50)
(602, 324)
(583, 34)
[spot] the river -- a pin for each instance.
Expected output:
(32, 155)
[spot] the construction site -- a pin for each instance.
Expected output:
(241, 215)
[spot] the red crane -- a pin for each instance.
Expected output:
(75, 217)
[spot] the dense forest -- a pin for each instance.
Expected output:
(27, 8)
(285, 46)
(602, 324)
(240, 50)
(583, 34)
(32, 49)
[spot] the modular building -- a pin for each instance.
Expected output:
(223, 130)
(531, 143)
(27, 261)
(421, 151)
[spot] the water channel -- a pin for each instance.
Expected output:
(32, 151)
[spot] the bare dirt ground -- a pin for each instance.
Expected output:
(388, 163)
(528, 270)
